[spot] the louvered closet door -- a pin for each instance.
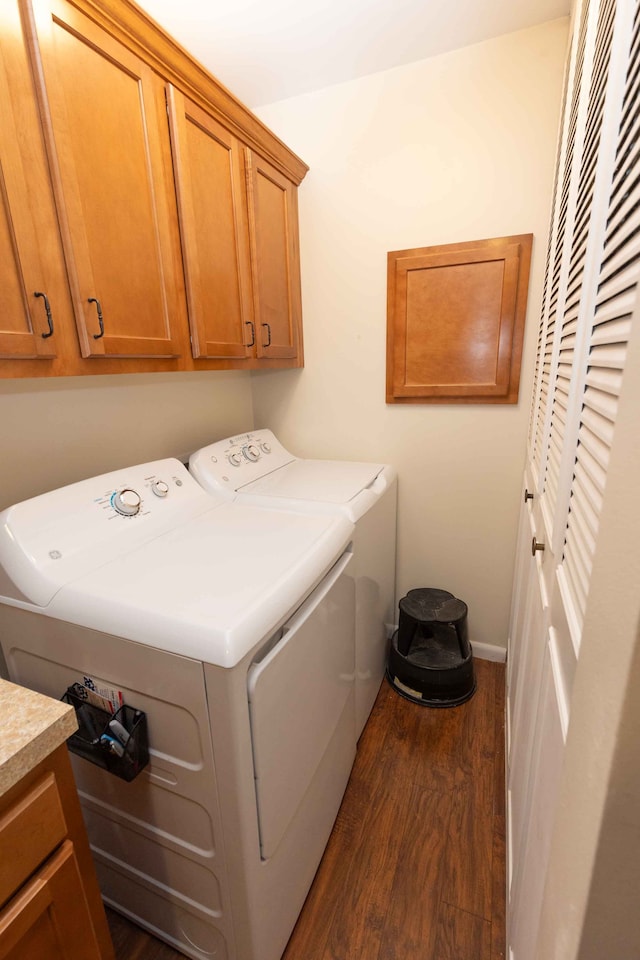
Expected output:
(590, 288)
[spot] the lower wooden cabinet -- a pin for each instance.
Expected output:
(50, 904)
(50, 917)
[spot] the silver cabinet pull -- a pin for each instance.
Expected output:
(527, 496)
(535, 546)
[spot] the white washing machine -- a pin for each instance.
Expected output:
(231, 627)
(255, 468)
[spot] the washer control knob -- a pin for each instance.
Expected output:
(127, 502)
(160, 488)
(235, 458)
(265, 446)
(251, 452)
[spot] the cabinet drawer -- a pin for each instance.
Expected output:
(30, 829)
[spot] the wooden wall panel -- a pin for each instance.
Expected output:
(455, 321)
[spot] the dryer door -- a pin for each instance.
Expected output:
(301, 696)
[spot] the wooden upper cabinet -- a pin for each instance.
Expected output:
(117, 222)
(208, 170)
(275, 260)
(103, 113)
(26, 294)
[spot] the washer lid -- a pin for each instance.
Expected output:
(212, 587)
(53, 539)
(326, 481)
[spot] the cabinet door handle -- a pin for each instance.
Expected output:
(535, 546)
(249, 323)
(97, 336)
(47, 307)
(527, 496)
(268, 326)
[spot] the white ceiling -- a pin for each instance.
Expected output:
(269, 50)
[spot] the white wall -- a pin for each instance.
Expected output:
(458, 147)
(57, 431)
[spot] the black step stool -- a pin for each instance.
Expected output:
(430, 658)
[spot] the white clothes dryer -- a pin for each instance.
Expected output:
(255, 468)
(230, 626)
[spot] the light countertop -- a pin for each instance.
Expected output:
(31, 727)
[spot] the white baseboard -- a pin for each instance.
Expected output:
(488, 651)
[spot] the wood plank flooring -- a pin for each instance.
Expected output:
(415, 866)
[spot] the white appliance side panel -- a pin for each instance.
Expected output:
(297, 694)
(180, 927)
(157, 841)
(374, 549)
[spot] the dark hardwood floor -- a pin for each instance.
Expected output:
(415, 866)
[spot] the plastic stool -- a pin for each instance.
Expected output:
(430, 658)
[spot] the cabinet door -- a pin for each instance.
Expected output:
(50, 917)
(100, 106)
(24, 330)
(275, 260)
(207, 163)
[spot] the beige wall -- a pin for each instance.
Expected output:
(57, 431)
(458, 147)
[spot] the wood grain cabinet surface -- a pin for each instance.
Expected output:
(33, 294)
(104, 122)
(179, 253)
(455, 321)
(239, 230)
(275, 260)
(50, 905)
(209, 175)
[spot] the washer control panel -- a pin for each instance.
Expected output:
(138, 496)
(227, 465)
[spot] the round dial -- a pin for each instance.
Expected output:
(127, 502)
(235, 458)
(265, 446)
(251, 452)
(160, 488)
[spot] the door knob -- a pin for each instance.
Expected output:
(527, 496)
(535, 546)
